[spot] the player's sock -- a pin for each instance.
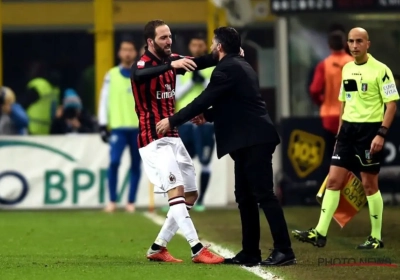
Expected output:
(375, 205)
(168, 230)
(181, 215)
(328, 208)
(204, 179)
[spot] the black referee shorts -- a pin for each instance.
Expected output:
(353, 146)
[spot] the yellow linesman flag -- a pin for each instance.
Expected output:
(352, 199)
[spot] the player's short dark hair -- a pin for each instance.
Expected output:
(337, 40)
(127, 39)
(150, 29)
(199, 36)
(229, 39)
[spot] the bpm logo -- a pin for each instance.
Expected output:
(17, 175)
(306, 152)
(46, 176)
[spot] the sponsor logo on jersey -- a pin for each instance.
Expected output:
(390, 89)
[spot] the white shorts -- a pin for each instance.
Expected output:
(168, 165)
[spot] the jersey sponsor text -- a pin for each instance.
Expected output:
(389, 89)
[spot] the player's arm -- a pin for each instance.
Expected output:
(390, 95)
(142, 71)
(220, 83)
(103, 109)
(103, 104)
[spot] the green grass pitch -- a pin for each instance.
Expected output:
(94, 245)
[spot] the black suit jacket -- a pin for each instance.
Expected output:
(238, 111)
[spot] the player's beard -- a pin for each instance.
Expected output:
(162, 52)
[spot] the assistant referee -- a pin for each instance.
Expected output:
(368, 87)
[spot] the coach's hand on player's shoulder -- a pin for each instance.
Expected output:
(377, 144)
(162, 126)
(199, 120)
(185, 63)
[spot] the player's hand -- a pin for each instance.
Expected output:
(241, 52)
(377, 144)
(104, 134)
(163, 126)
(185, 63)
(75, 123)
(199, 120)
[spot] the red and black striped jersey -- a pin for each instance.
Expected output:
(153, 87)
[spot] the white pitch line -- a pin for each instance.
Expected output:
(256, 270)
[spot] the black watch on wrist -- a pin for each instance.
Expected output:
(382, 131)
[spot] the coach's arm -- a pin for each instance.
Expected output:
(209, 115)
(220, 84)
(202, 62)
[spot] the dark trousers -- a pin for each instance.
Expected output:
(253, 190)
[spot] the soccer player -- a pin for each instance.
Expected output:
(115, 111)
(368, 87)
(165, 159)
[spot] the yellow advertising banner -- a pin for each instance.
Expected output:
(65, 13)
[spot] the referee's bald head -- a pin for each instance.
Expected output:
(358, 42)
(359, 32)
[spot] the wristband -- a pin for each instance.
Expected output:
(382, 131)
